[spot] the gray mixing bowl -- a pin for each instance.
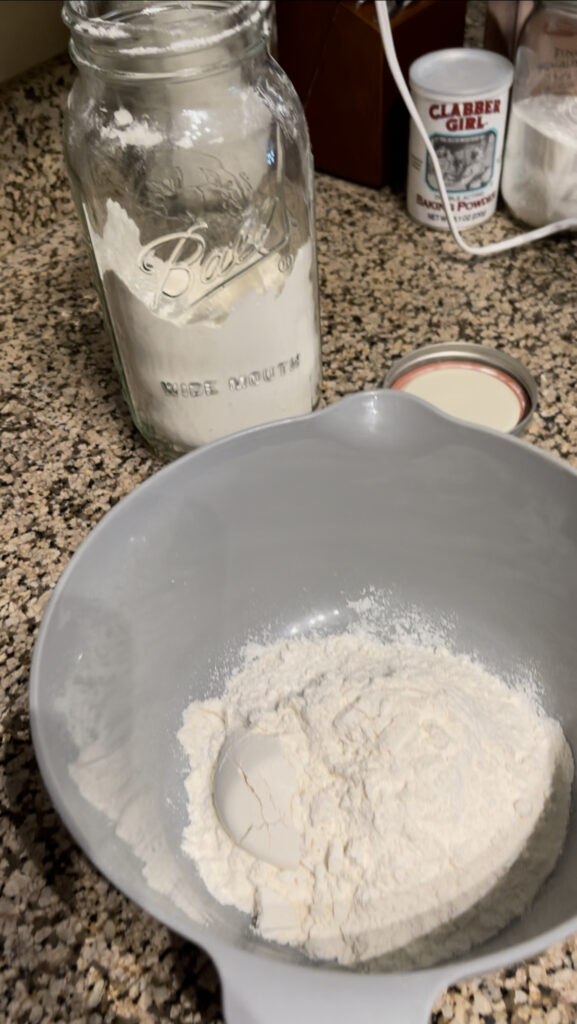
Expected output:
(282, 527)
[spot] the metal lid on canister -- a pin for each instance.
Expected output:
(476, 383)
(460, 71)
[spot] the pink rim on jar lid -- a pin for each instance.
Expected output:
(475, 383)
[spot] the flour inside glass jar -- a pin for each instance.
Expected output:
(540, 169)
(201, 366)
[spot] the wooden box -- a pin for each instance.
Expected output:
(333, 54)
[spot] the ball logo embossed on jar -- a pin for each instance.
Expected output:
(185, 265)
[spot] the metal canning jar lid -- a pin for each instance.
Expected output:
(476, 383)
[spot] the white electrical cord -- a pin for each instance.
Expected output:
(473, 250)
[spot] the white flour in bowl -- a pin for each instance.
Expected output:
(431, 798)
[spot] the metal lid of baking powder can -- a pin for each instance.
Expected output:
(462, 95)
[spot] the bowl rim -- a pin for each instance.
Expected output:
(220, 948)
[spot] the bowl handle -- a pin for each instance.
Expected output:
(259, 992)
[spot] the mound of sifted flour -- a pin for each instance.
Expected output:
(431, 799)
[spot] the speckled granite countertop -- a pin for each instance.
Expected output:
(74, 949)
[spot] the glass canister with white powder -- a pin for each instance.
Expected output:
(539, 182)
(190, 164)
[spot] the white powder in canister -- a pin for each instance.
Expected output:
(539, 181)
(430, 799)
(208, 345)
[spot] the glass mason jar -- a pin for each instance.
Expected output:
(539, 182)
(190, 165)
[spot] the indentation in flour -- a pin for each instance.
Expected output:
(344, 688)
(432, 799)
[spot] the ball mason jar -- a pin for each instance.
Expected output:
(191, 169)
(539, 181)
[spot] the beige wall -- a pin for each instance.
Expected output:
(30, 31)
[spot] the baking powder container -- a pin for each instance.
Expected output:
(462, 96)
(473, 382)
